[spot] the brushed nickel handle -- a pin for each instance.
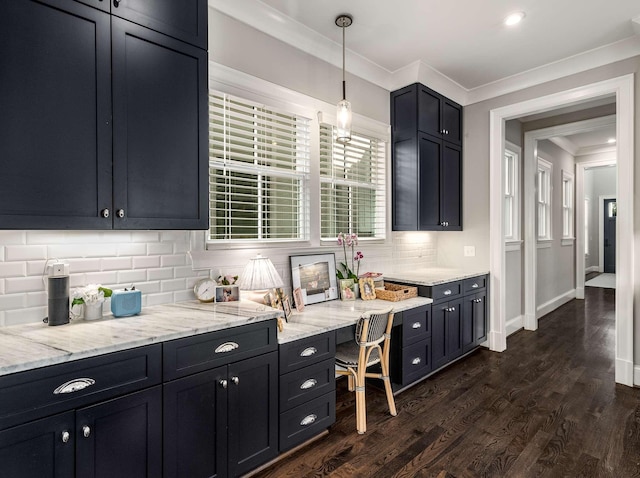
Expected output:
(307, 384)
(308, 352)
(65, 436)
(308, 420)
(475, 285)
(86, 431)
(74, 385)
(235, 380)
(105, 213)
(416, 361)
(120, 213)
(447, 292)
(223, 383)
(416, 325)
(226, 347)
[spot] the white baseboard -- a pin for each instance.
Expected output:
(554, 303)
(515, 324)
(592, 269)
(636, 375)
(626, 373)
(497, 341)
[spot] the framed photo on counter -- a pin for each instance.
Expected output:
(315, 275)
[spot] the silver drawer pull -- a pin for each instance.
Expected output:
(447, 292)
(226, 347)
(74, 385)
(416, 325)
(416, 361)
(477, 301)
(308, 352)
(475, 286)
(65, 436)
(308, 420)
(307, 384)
(86, 431)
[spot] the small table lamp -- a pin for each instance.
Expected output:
(260, 275)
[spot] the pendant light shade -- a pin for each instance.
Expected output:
(343, 114)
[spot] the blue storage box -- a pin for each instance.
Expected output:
(126, 302)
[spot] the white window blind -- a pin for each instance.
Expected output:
(352, 185)
(258, 171)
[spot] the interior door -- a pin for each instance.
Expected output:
(610, 215)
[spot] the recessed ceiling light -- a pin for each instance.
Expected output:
(514, 19)
(611, 140)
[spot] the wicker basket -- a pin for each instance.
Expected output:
(396, 292)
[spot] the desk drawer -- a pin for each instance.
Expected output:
(475, 284)
(314, 349)
(25, 396)
(197, 353)
(416, 325)
(416, 361)
(448, 291)
(307, 420)
(307, 383)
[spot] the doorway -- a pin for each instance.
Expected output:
(610, 209)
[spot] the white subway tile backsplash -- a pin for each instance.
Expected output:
(35, 268)
(157, 299)
(16, 285)
(64, 251)
(13, 269)
(116, 263)
(147, 262)
(182, 295)
(160, 274)
(103, 278)
(158, 248)
(148, 287)
(138, 249)
(173, 260)
(25, 253)
(12, 301)
(77, 280)
(12, 237)
(186, 271)
(175, 236)
(173, 285)
(145, 236)
(36, 299)
(128, 278)
(1, 286)
(1, 253)
(83, 265)
(25, 316)
(2, 324)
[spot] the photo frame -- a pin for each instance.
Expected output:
(315, 276)
(227, 293)
(367, 289)
(298, 300)
(346, 289)
(286, 308)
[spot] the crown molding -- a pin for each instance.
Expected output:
(565, 144)
(270, 21)
(597, 149)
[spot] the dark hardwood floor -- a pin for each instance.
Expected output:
(548, 406)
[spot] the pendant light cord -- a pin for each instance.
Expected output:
(344, 83)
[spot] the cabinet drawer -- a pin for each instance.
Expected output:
(416, 361)
(25, 396)
(416, 325)
(305, 421)
(447, 291)
(475, 284)
(309, 382)
(183, 357)
(298, 354)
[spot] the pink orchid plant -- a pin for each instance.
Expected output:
(349, 240)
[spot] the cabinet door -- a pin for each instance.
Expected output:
(430, 150)
(55, 119)
(404, 173)
(454, 329)
(439, 342)
(452, 121)
(480, 318)
(38, 449)
(121, 437)
(468, 330)
(429, 111)
(451, 187)
(160, 142)
(185, 20)
(253, 412)
(195, 426)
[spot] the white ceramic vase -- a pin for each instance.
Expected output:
(93, 311)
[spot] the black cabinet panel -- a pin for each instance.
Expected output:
(452, 121)
(404, 185)
(195, 426)
(451, 184)
(416, 361)
(429, 111)
(474, 324)
(446, 332)
(454, 329)
(307, 383)
(416, 325)
(37, 449)
(55, 119)
(307, 420)
(300, 353)
(430, 151)
(121, 437)
(160, 130)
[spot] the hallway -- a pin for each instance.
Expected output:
(548, 406)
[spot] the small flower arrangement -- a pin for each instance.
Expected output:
(226, 280)
(344, 271)
(91, 294)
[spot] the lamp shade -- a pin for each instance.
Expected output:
(260, 274)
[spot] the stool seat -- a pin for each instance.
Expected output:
(347, 355)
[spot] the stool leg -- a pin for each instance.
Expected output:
(351, 382)
(361, 405)
(387, 388)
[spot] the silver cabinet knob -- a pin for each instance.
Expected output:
(223, 383)
(235, 380)
(86, 431)
(416, 361)
(416, 325)
(65, 436)
(120, 213)
(105, 213)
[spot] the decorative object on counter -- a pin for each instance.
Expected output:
(367, 288)
(297, 299)
(286, 308)
(227, 280)
(343, 114)
(348, 289)
(92, 298)
(126, 302)
(205, 290)
(378, 279)
(346, 272)
(396, 292)
(315, 275)
(58, 300)
(261, 276)
(227, 293)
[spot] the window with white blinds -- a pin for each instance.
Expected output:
(352, 185)
(258, 171)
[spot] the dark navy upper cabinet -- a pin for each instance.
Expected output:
(426, 160)
(103, 121)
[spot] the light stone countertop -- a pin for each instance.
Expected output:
(29, 346)
(431, 276)
(335, 314)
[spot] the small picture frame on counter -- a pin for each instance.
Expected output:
(286, 308)
(367, 289)
(347, 289)
(297, 299)
(227, 293)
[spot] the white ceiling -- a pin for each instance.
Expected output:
(463, 40)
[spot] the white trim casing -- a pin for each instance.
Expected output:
(623, 88)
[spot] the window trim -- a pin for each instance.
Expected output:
(547, 167)
(568, 177)
(516, 152)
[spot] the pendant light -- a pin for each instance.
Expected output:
(343, 118)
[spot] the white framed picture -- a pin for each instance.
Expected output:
(315, 275)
